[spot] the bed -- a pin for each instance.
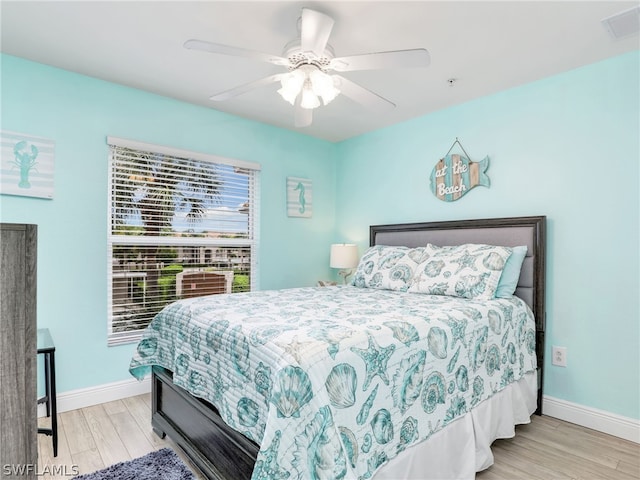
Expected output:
(369, 391)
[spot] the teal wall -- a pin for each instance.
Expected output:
(78, 113)
(566, 147)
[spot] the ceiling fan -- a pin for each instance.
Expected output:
(307, 60)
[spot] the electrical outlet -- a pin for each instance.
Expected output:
(559, 356)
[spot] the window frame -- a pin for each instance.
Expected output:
(251, 242)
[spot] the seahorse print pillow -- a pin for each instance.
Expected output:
(468, 271)
(387, 267)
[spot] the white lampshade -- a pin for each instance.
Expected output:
(343, 255)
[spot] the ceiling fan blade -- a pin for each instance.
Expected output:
(414, 58)
(315, 29)
(234, 51)
(365, 97)
(302, 116)
(239, 90)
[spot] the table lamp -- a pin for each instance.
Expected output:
(345, 257)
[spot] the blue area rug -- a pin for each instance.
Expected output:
(162, 464)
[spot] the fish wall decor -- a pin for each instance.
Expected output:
(454, 175)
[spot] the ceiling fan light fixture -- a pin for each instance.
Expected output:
(311, 83)
(309, 99)
(323, 86)
(291, 83)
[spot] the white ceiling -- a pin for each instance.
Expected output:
(486, 46)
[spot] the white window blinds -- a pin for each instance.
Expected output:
(182, 224)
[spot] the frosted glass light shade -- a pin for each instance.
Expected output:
(323, 86)
(309, 99)
(343, 255)
(291, 85)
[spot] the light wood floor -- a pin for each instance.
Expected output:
(95, 437)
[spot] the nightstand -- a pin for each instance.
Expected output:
(326, 283)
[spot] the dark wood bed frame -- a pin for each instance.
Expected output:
(222, 453)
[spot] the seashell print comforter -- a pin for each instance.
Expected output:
(332, 382)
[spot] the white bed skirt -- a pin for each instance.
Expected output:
(464, 447)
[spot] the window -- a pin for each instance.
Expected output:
(182, 224)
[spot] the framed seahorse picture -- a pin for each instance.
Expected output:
(299, 197)
(26, 165)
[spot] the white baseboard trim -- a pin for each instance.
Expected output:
(610, 423)
(86, 397)
(600, 420)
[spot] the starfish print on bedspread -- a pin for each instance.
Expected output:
(295, 348)
(466, 261)
(375, 358)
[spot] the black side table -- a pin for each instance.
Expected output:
(48, 349)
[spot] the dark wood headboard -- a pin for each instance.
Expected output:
(508, 232)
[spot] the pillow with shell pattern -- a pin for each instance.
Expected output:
(468, 271)
(387, 267)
